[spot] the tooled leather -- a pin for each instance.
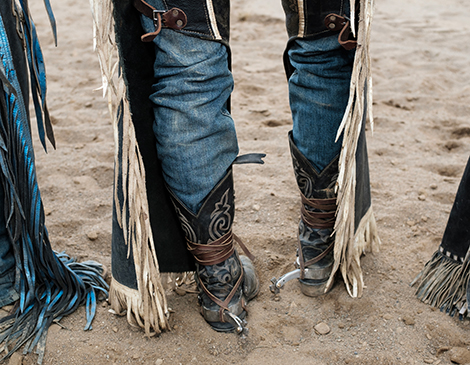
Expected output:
(213, 220)
(317, 209)
(311, 183)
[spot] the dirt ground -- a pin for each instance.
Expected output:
(417, 152)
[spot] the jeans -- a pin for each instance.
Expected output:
(196, 138)
(318, 95)
(8, 293)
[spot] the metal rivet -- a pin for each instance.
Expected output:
(332, 18)
(179, 23)
(332, 25)
(175, 12)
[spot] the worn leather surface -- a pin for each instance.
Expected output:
(137, 66)
(456, 238)
(199, 17)
(213, 220)
(314, 14)
(363, 198)
(315, 241)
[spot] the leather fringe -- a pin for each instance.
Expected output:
(443, 283)
(350, 244)
(365, 240)
(146, 306)
(138, 308)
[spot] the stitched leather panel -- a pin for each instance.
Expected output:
(214, 218)
(206, 19)
(314, 13)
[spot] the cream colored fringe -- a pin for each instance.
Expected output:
(146, 306)
(350, 244)
(443, 284)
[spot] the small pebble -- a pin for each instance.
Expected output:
(93, 235)
(159, 362)
(428, 361)
(408, 321)
(440, 350)
(256, 207)
(460, 355)
(322, 328)
(387, 316)
(115, 329)
(422, 197)
(433, 186)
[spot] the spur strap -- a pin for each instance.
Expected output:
(315, 219)
(214, 253)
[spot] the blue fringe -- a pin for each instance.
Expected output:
(51, 285)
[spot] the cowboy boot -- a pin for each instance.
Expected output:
(226, 281)
(316, 239)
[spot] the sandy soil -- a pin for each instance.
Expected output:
(417, 154)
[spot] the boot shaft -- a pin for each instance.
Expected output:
(215, 217)
(311, 183)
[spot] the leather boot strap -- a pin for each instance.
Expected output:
(303, 264)
(316, 219)
(217, 251)
(214, 253)
(174, 18)
(224, 304)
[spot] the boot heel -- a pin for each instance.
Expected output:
(312, 289)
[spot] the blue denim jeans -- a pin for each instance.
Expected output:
(8, 293)
(196, 138)
(318, 95)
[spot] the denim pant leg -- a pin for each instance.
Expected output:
(8, 293)
(196, 138)
(318, 95)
